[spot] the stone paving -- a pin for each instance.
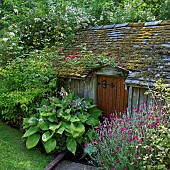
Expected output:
(68, 165)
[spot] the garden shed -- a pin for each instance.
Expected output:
(142, 51)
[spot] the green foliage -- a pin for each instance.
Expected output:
(161, 143)
(24, 81)
(38, 24)
(61, 123)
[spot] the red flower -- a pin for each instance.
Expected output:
(64, 58)
(61, 50)
(77, 53)
(111, 56)
(71, 56)
(134, 163)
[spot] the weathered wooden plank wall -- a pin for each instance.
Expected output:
(85, 87)
(136, 97)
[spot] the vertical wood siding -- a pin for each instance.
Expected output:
(137, 97)
(85, 88)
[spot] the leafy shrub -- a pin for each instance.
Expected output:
(9, 47)
(61, 123)
(131, 142)
(161, 142)
(24, 81)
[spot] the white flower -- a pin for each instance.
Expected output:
(5, 39)
(11, 34)
(16, 11)
(37, 19)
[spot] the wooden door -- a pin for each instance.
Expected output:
(111, 94)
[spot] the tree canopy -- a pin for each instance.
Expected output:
(29, 25)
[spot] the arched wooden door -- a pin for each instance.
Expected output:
(111, 94)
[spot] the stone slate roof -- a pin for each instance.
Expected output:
(142, 48)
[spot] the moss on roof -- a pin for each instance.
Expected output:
(143, 47)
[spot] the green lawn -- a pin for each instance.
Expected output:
(15, 156)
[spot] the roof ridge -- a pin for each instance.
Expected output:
(131, 24)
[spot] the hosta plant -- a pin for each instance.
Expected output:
(61, 124)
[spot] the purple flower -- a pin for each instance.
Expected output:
(116, 161)
(86, 144)
(123, 129)
(137, 156)
(135, 138)
(138, 148)
(131, 139)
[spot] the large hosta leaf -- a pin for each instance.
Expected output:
(30, 131)
(32, 141)
(46, 136)
(77, 131)
(95, 112)
(61, 130)
(59, 112)
(71, 145)
(48, 114)
(81, 128)
(49, 145)
(83, 117)
(53, 127)
(44, 126)
(92, 121)
(74, 118)
(52, 118)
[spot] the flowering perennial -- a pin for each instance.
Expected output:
(125, 142)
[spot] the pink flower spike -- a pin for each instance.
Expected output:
(123, 138)
(150, 149)
(135, 138)
(138, 148)
(140, 140)
(138, 156)
(112, 169)
(116, 161)
(92, 141)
